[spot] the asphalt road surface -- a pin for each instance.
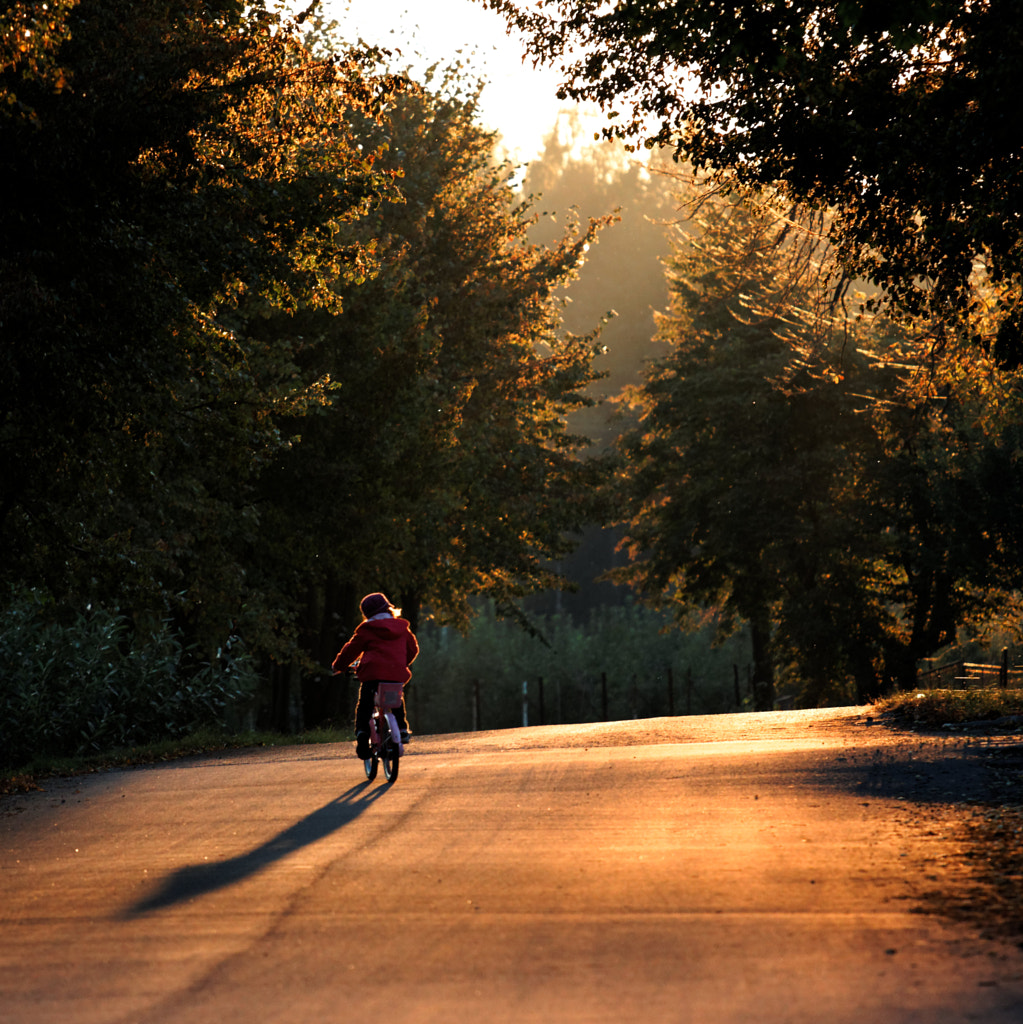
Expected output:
(754, 868)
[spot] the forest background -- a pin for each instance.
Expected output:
(279, 329)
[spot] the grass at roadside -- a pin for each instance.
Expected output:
(938, 709)
(992, 830)
(29, 777)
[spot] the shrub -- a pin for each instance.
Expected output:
(932, 709)
(96, 682)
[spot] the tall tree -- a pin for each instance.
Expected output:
(181, 173)
(444, 469)
(622, 280)
(901, 116)
(579, 178)
(726, 477)
(830, 492)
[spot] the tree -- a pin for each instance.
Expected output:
(577, 178)
(839, 494)
(444, 469)
(901, 117)
(942, 429)
(622, 280)
(727, 479)
(182, 171)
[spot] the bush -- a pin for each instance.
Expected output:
(97, 682)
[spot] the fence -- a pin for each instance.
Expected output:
(968, 675)
(542, 700)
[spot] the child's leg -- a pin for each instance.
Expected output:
(363, 709)
(401, 717)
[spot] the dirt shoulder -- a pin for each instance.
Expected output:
(985, 820)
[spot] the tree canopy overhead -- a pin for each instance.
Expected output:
(902, 115)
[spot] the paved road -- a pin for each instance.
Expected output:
(756, 868)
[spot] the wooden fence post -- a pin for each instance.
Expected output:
(1003, 675)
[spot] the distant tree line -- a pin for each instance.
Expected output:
(619, 662)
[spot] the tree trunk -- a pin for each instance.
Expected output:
(868, 683)
(410, 608)
(763, 663)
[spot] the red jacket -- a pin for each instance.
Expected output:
(387, 646)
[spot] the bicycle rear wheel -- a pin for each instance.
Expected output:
(371, 764)
(390, 756)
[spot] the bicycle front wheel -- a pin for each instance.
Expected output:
(371, 764)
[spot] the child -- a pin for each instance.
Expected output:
(385, 646)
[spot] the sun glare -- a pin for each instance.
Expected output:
(518, 101)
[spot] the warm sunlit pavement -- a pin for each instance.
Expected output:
(756, 869)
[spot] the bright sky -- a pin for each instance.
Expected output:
(518, 101)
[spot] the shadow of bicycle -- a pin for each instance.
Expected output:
(201, 879)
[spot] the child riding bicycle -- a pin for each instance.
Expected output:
(384, 646)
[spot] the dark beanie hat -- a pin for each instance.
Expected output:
(374, 604)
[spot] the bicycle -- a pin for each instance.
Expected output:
(384, 735)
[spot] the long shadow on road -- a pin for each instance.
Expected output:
(201, 879)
